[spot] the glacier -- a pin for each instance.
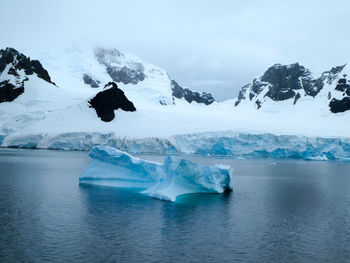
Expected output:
(48, 116)
(176, 176)
(229, 143)
(260, 145)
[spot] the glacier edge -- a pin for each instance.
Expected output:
(228, 143)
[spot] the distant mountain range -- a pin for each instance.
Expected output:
(77, 98)
(290, 83)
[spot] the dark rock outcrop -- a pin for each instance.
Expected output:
(9, 92)
(282, 82)
(113, 60)
(331, 75)
(189, 95)
(105, 102)
(296, 98)
(291, 82)
(241, 94)
(126, 75)
(343, 104)
(18, 61)
(258, 103)
(12, 81)
(90, 81)
(343, 86)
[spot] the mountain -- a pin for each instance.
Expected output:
(83, 68)
(77, 98)
(294, 83)
(180, 92)
(126, 70)
(82, 74)
(15, 70)
(65, 91)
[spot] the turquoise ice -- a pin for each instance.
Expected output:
(176, 176)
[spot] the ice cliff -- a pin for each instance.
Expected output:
(176, 176)
(229, 143)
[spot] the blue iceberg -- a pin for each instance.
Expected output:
(176, 176)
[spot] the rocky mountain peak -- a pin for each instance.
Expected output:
(15, 68)
(119, 67)
(333, 74)
(292, 82)
(16, 61)
(189, 95)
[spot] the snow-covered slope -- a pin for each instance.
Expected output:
(45, 108)
(78, 69)
(59, 117)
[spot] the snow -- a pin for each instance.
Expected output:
(176, 176)
(46, 116)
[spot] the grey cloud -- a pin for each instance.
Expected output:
(196, 41)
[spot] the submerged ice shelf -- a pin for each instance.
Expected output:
(176, 176)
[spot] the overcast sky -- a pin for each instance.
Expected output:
(215, 46)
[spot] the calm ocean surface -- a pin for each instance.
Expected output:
(279, 211)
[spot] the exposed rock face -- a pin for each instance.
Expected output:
(343, 86)
(18, 61)
(281, 82)
(343, 103)
(118, 68)
(105, 102)
(90, 81)
(14, 69)
(130, 70)
(188, 95)
(9, 92)
(285, 80)
(331, 75)
(241, 94)
(292, 82)
(296, 98)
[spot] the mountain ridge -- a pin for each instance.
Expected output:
(46, 111)
(294, 82)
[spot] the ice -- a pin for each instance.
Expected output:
(229, 143)
(84, 141)
(58, 117)
(2, 137)
(264, 145)
(176, 176)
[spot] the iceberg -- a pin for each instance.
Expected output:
(176, 176)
